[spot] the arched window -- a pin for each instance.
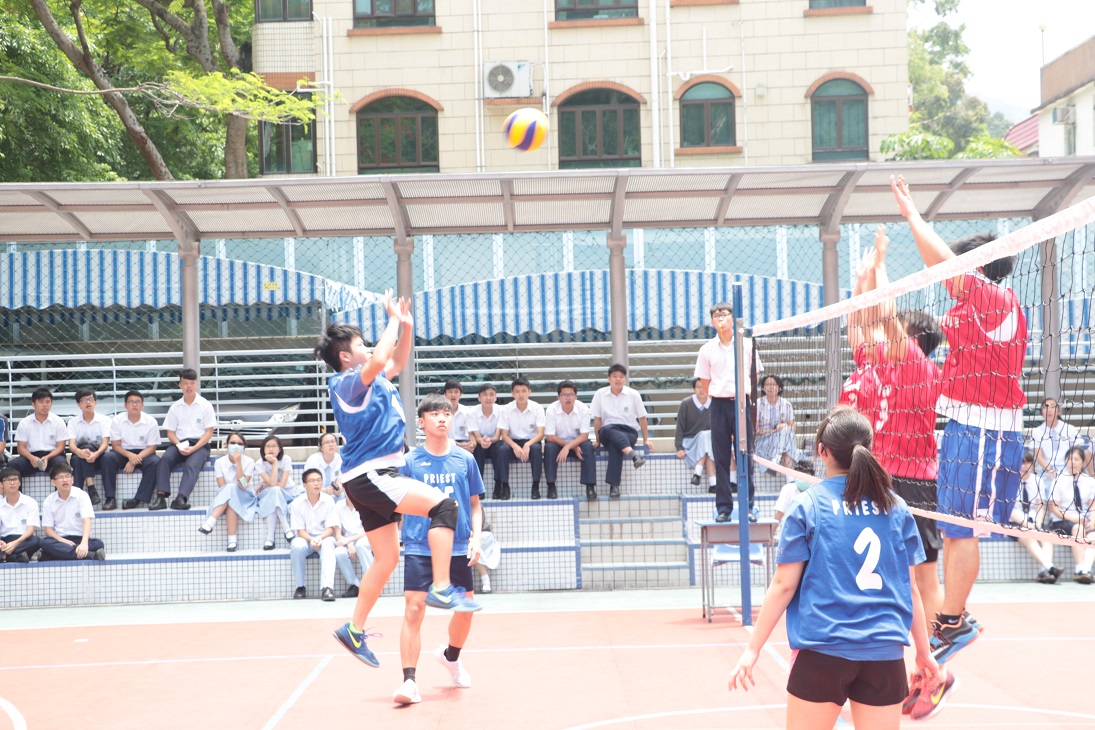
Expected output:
(707, 116)
(599, 128)
(840, 121)
(397, 134)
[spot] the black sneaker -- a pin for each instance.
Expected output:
(947, 640)
(300, 592)
(552, 492)
(613, 490)
(536, 492)
(92, 492)
(350, 592)
(132, 504)
(109, 505)
(695, 480)
(1045, 576)
(180, 502)
(158, 502)
(591, 492)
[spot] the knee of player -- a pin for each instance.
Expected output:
(444, 514)
(415, 609)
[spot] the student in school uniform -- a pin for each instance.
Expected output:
(315, 522)
(566, 436)
(235, 475)
(19, 520)
(89, 439)
(134, 438)
(1030, 512)
(40, 438)
(1071, 502)
(275, 487)
(618, 415)
(521, 429)
(190, 423)
(67, 515)
(460, 430)
(329, 462)
(483, 430)
(351, 542)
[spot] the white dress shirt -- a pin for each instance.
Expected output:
(223, 468)
(41, 435)
(567, 426)
(313, 519)
(624, 409)
(521, 424)
(14, 518)
(66, 516)
(461, 422)
(330, 471)
(89, 435)
(189, 421)
(135, 437)
(484, 425)
(718, 363)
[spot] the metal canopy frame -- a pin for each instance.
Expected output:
(403, 206)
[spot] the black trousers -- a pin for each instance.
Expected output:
(724, 418)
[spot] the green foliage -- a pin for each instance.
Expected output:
(917, 146)
(998, 125)
(988, 148)
(245, 94)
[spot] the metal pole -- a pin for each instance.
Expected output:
(1051, 321)
(617, 297)
(830, 280)
(188, 253)
(404, 285)
(741, 379)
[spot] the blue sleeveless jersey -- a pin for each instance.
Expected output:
(458, 477)
(370, 418)
(855, 598)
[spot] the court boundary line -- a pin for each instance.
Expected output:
(297, 694)
(673, 713)
(17, 720)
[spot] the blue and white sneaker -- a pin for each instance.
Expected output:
(354, 641)
(947, 640)
(452, 599)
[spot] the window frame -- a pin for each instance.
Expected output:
(577, 10)
(286, 129)
(841, 151)
(830, 4)
(284, 14)
(400, 117)
(394, 19)
(575, 163)
(706, 104)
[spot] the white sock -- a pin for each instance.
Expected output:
(1079, 568)
(486, 581)
(284, 522)
(209, 523)
(710, 481)
(1048, 567)
(270, 522)
(698, 470)
(231, 539)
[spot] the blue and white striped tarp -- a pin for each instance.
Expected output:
(660, 299)
(163, 315)
(71, 278)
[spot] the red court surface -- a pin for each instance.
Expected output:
(1032, 668)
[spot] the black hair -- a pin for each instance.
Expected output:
(996, 270)
(304, 476)
(433, 402)
(11, 471)
(617, 368)
(275, 439)
(188, 374)
(59, 469)
(847, 434)
(336, 339)
(923, 328)
(1028, 458)
(82, 393)
(806, 466)
(40, 394)
(130, 393)
(1078, 450)
(564, 385)
(487, 386)
(773, 376)
(452, 384)
(228, 439)
(325, 435)
(721, 307)
(520, 380)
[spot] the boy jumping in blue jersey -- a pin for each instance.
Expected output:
(451, 470)
(370, 417)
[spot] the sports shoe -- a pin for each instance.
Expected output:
(948, 640)
(1044, 576)
(973, 622)
(355, 643)
(407, 694)
(910, 702)
(929, 704)
(460, 676)
(451, 598)
(1083, 577)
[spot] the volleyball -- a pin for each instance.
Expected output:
(526, 129)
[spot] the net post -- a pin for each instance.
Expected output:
(404, 285)
(741, 378)
(830, 280)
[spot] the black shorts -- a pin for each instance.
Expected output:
(817, 677)
(418, 572)
(921, 493)
(375, 494)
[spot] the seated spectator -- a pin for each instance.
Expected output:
(315, 521)
(134, 438)
(40, 438)
(461, 416)
(566, 436)
(618, 414)
(483, 429)
(791, 490)
(350, 542)
(89, 438)
(235, 474)
(1051, 440)
(692, 437)
(18, 520)
(66, 517)
(521, 428)
(189, 423)
(1070, 501)
(328, 461)
(275, 488)
(3, 440)
(1030, 512)
(775, 425)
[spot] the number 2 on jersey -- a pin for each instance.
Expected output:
(866, 578)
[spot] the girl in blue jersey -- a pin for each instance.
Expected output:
(370, 417)
(845, 578)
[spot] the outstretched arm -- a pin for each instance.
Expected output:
(933, 249)
(402, 350)
(385, 346)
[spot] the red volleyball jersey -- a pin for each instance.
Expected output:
(905, 426)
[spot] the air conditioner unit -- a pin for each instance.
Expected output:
(1064, 114)
(507, 79)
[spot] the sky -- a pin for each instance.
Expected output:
(1006, 43)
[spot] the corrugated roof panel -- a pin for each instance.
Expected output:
(365, 217)
(880, 205)
(106, 222)
(572, 212)
(332, 191)
(37, 224)
(685, 209)
(788, 207)
(121, 196)
(220, 195)
(448, 188)
(10, 197)
(1000, 202)
(684, 181)
(240, 220)
(561, 185)
(799, 178)
(927, 174)
(465, 215)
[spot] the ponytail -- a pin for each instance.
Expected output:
(848, 437)
(868, 480)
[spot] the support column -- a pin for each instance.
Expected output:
(617, 297)
(1051, 320)
(191, 340)
(830, 279)
(404, 287)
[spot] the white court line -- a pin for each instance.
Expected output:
(17, 719)
(273, 722)
(674, 713)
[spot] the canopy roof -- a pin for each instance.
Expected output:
(405, 205)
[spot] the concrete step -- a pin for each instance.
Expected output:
(175, 531)
(627, 507)
(631, 528)
(634, 551)
(625, 576)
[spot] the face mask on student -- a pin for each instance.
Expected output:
(235, 449)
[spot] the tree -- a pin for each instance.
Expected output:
(998, 124)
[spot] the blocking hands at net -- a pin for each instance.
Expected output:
(370, 416)
(846, 579)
